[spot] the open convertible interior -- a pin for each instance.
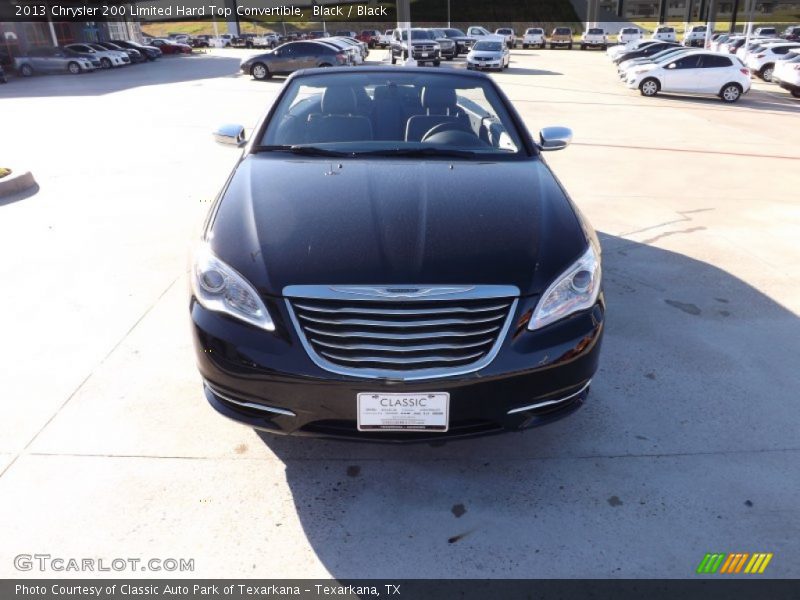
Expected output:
(364, 110)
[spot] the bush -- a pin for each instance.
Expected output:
(4, 172)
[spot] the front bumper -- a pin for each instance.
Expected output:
(484, 64)
(267, 380)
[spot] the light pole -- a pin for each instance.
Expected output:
(448, 14)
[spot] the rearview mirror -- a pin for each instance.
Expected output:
(554, 138)
(230, 135)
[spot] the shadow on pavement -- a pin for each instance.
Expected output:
(166, 70)
(684, 436)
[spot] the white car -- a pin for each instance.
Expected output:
(594, 37)
(385, 39)
(695, 36)
(107, 58)
(745, 49)
(694, 73)
(534, 36)
(508, 35)
(664, 33)
(477, 31)
(629, 34)
(489, 54)
(762, 59)
(221, 41)
(765, 32)
(267, 40)
(787, 73)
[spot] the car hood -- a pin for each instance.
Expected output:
(390, 221)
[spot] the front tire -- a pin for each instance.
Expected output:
(766, 72)
(436, 63)
(26, 70)
(649, 87)
(260, 72)
(394, 59)
(74, 68)
(730, 92)
(795, 92)
(105, 63)
(524, 46)
(569, 47)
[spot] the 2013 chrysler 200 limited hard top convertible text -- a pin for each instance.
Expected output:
(392, 259)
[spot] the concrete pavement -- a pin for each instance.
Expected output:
(687, 445)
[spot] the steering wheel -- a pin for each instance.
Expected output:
(451, 134)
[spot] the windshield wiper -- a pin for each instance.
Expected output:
(304, 150)
(417, 152)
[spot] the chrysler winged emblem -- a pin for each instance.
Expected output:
(401, 291)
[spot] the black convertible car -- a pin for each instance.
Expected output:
(392, 259)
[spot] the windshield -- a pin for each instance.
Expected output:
(453, 33)
(485, 46)
(629, 30)
(664, 30)
(563, 31)
(534, 31)
(388, 113)
(596, 31)
(417, 34)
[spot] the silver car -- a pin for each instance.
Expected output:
(489, 54)
(51, 60)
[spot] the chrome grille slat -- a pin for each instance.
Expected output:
(403, 336)
(404, 331)
(402, 311)
(415, 360)
(404, 348)
(400, 324)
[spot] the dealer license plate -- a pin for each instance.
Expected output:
(424, 55)
(403, 412)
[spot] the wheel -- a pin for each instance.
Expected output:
(552, 47)
(795, 92)
(583, 47)
(394, 60)
(449, 57)
(105, 63)
(436, 63)
(766, 72)
(730, 92)
(544, 45)
(260, 71)
(569, 47)
(74, 68)
(524, 46)
(26, 70)
(649, 87)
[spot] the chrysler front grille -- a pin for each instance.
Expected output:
(408, 332)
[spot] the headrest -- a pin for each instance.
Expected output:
(384, 92)
(338, 101)
(437, 97)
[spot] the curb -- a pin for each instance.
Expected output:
(15, 183)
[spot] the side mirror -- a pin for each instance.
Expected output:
(230, 135)
(554, 138)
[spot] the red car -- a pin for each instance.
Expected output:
(170, 47)
(370, 37)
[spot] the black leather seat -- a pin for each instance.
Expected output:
(339, 120)
(441, 106)
(389, 115)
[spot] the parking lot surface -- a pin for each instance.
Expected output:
(688, 443)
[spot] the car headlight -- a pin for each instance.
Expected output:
(220, 288)
(574, 290)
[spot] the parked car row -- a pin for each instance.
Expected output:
(654, 66)
(85, 57)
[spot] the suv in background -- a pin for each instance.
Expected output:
(534, 36)
(629, 34)
(424, 47)
(370, 37)
(695, 36)
(792, 33)
(561, 36)
(665, 33)
(508, 35)
(765, 32)
(594, 37)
